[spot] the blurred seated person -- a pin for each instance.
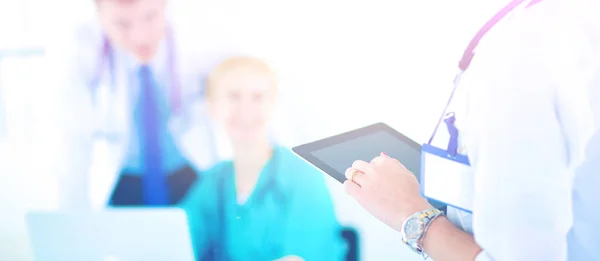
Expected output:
(265, 204)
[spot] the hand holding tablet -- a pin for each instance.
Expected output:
(335, 154)
(386, 189)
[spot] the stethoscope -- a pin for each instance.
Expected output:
(107, 59)
(107, 63)
(270, 187)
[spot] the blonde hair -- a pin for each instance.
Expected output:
(239, 65)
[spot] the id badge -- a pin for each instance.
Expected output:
(446, 179)
(446, 175)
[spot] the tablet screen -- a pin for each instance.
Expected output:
(341, 156)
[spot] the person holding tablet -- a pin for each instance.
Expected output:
(265, 204)
(531, 131)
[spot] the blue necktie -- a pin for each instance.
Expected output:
(154, 179)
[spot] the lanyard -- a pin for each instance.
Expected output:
(107, 61)
(463, 65)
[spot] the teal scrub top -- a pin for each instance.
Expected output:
(290, 212)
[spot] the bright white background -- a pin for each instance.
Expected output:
(343, 64)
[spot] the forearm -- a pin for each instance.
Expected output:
(446, 242)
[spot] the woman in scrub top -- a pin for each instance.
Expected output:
(265, 204)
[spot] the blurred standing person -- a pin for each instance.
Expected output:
(128, 104)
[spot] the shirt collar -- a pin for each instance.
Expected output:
(158, 64)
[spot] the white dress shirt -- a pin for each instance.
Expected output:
(531, 109)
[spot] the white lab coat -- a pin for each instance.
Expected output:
(92, 164)
(528, 109)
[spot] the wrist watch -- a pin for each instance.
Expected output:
(415, 226)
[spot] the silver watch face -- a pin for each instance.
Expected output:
(413, 228)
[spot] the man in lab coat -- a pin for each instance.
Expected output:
(130, 97)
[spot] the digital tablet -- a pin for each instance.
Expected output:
(333, 155)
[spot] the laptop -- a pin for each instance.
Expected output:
(126, 234)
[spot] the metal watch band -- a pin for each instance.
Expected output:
(425, 218)
(431, 215)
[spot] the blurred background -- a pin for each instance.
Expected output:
(341, 64)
